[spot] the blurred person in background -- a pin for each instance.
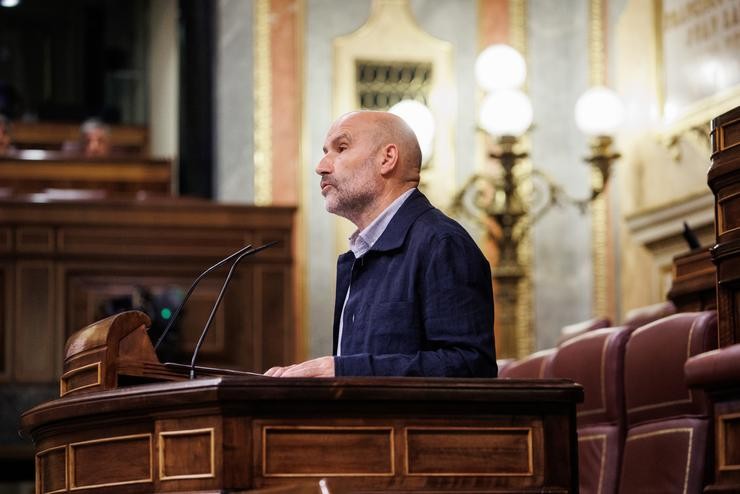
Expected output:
(6, 139)
(95, 138)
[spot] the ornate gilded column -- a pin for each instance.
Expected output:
(602, 261)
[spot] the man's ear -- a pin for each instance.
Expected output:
(389, 159)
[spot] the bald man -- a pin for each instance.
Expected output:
(413, 294)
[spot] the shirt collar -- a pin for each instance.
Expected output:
(362, 241)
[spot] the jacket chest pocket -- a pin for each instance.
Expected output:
(392, 327)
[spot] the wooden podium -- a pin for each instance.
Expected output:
(236, 433)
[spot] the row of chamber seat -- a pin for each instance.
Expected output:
(640, 428)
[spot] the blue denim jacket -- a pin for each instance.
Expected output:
(421, 302)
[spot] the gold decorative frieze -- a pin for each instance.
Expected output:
(518, 25)
(262, 104)
(599, 206)
(524, 338)
(381, 85)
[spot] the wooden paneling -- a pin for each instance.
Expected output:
(51, 470)
(724, 180)
(6, 304)
(728, 430)
(716, 372)
(474, 451)
(728, 209)
(273, 284)
(69, 258)
(36, 343)
(51, 135)
(62, 263)
(730, 132)
(6, 239)
(232, 434)
(141, 243)
(88, 287)
(198, 445)
(26, 173)
(694, 284)
(34, 240)
(111, 461)
(322, 451)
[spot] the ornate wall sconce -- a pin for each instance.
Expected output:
(507, 200)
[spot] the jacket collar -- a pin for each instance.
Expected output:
(395, 233)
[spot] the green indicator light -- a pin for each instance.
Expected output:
(165, 313)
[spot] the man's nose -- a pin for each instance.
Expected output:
(324, 166)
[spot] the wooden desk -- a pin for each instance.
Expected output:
(27, 172)
(717, 372)
(52, 135)
(59, 261)
(724, 180)
(694, 282)
(375, 434)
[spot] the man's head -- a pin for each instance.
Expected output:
(95, 138)
(5, 138)
(370, 158)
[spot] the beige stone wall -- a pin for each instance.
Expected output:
(659, 185)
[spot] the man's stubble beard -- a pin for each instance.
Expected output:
(356, 195)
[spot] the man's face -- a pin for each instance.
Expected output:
(97, 143)
(350, 180)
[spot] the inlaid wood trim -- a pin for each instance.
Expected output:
(391, 441)
(722, 215)
(38, 469)
(722, 144)
(63, 381)
(722, 463)
(190, 432)
(34, 239)
(530, 452)
(71, 463)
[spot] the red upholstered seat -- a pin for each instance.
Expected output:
(645, 315)
(667, 423)
(715, 369)
(534, 366)
(596, 361)
(503, 363)
(718, 373)
(573, 330)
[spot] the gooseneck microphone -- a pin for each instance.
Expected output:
(218, 301)
(192, 287)
(220, 263)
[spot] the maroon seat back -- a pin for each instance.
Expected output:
(595, 360)
(667, 437)
(534, 366)
(503, 363)
(573, 330)
(644, 315)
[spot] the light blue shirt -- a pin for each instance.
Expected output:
(362, 241)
